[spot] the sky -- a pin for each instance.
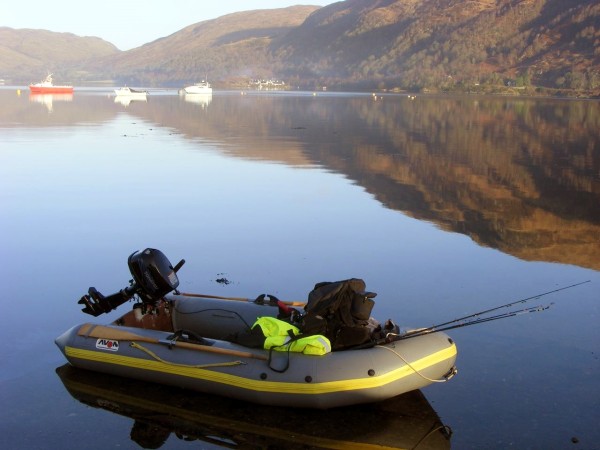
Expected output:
(126, 23)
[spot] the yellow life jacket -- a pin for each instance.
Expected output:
(281, 336)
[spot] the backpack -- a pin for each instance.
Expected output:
(340, 311)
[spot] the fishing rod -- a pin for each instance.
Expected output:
(438, 327)
(472, 322)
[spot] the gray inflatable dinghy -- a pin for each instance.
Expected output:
(181, 340)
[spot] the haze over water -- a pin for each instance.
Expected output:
(445, 206)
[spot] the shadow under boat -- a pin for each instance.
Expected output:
(406, 421)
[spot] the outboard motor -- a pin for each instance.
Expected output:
(153, 278)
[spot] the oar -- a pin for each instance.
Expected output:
(104, 332)
(238, 299)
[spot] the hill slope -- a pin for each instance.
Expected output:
(425, 45)
(26, 53)
(230, 46)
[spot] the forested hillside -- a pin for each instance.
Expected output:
(451, 44)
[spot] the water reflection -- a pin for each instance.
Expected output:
(69, 110)
(160, 413)
(94, 179)
(202, 100)
(48, 99)
(126, 100)
(522, 176)
(518, 175)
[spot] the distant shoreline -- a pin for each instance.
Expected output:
(493, 91)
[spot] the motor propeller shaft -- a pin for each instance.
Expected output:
(95, 303)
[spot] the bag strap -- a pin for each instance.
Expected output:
(293, 337)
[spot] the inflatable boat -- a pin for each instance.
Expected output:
(189, 341)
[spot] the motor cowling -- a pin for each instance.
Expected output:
(153, 278)
(153, 275)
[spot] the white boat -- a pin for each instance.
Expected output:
(203, 87)
(128, 92)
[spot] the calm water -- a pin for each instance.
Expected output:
(444, 206)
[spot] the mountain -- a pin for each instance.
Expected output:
(514, 46)
(416, 44)
(234, 45)
(26, 55)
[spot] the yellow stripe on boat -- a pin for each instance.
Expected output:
(263, 385)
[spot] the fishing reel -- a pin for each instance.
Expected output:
(153, 278)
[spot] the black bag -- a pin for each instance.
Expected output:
(252, 337)
(340, 311)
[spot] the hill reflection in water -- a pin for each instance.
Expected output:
(518, 175)
(521, 176)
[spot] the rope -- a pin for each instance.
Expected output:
(444, 429)
(411, 366)
(198, 366)
(213, 309)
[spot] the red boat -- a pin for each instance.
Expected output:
(47, 87)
